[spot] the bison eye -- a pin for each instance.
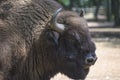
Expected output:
(71, 58)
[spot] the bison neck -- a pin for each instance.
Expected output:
(30, 18)
(41, 61)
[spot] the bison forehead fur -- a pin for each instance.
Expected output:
(35, 43)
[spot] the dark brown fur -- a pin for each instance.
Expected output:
(28, 47)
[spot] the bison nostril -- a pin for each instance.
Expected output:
(90, 60)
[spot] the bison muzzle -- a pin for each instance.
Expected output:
(39, 39)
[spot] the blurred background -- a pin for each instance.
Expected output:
(103, 18)
(105, 10)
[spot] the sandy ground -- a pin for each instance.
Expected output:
(107, 66)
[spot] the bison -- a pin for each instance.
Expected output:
(38, 39)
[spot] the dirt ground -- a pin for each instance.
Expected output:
(107, 66)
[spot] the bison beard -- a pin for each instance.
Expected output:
(38, 40)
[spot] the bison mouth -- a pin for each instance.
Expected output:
(76, 72)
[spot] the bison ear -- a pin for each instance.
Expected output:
(82, 12)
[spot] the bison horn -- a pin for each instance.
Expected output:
(57, 26)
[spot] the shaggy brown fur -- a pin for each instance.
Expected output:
(31, 50)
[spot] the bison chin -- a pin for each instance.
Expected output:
(74, 71)
(77, 73)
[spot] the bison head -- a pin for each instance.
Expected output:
(75, 49)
